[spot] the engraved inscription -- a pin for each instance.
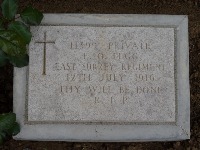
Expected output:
(45, 42)
(102, 74)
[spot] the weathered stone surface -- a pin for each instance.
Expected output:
(102, 74)
(137, 67)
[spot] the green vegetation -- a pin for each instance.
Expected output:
(15, 35)
(8, 126)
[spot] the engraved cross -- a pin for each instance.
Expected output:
(45, 42)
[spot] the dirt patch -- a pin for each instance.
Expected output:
(173, 7)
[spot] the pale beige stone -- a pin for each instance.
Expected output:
(79, 65)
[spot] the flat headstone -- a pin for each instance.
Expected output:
(105, 78)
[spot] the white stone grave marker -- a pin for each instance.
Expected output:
(105, 78)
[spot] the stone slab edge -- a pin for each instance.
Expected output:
(113, 133)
